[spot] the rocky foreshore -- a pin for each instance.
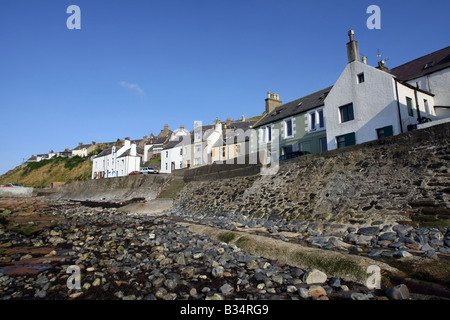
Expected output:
(141, 257)
(376, 240)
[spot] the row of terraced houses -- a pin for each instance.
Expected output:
(366, 103)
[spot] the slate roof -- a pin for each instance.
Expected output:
(82, 146)
(300, 105)
(422, 66)
(139, 151)
(178, 142)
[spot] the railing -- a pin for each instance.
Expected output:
(294, 155)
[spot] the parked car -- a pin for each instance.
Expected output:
(148, 170)
(9, 185)
(134, 173)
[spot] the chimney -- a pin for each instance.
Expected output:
(228, 121)
(364, 59)
(243, 118)
(272, 101)
(381, 65)
(218, 125)
(80, 144)
(352, 48)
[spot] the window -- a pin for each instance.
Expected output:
(269, 134)
(347, 113)
(385, 132)
(224, 151)
(166, 166)
(312, 121)
(427, 107)
(361, 77)
(346, 140)
(167, 154)
(197, 161)
(409, 106)
(323, 144)
(198, 148)
(181, 151)
(321, 119)
(288, 127)
(238, 149)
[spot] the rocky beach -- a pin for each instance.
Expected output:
(130, 256)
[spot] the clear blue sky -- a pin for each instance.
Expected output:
(136, 65)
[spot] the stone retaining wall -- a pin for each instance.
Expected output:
(15, 192)
(398, 178)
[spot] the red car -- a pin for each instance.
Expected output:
(134, 173)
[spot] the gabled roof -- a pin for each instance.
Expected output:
(422, 66)
(181, 141)
(104, 153)
(300, 105)
(83, 146)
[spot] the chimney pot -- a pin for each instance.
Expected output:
(352, 48)
(351, 34)
(364, 59)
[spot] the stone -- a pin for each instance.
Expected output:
(335, 282)
(215, 296)
(402, 229)
(389, 236)
(291, 289)
(316, 291)
(217, 272)
(226, 290)
(399, 292)
(97, 282)
(304, 293)
(252, 265)
(369, 231)
(359, 296)
(404, 254)
(315, 276)
(41, 294)
(180, 259)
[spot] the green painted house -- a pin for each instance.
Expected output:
(293, 128)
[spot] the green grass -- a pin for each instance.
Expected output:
(226, 237)
(331, 266)
(171, 189)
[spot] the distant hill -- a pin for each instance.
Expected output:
(42, 173)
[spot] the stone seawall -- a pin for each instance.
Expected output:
(15, 192)
(404, 177)
(120, 188)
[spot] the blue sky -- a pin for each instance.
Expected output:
(136, 65)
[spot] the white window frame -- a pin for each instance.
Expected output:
(285, 122)
(317, 126)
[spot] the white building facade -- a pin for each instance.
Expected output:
(116, 162)
(368, 103)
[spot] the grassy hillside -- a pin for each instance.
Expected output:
(41, 174)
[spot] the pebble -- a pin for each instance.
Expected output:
(135, 257)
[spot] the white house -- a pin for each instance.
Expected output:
(172, 153)
(368, 103)
(116, 161)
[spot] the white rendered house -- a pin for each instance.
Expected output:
(116, 161)
(368, 103)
